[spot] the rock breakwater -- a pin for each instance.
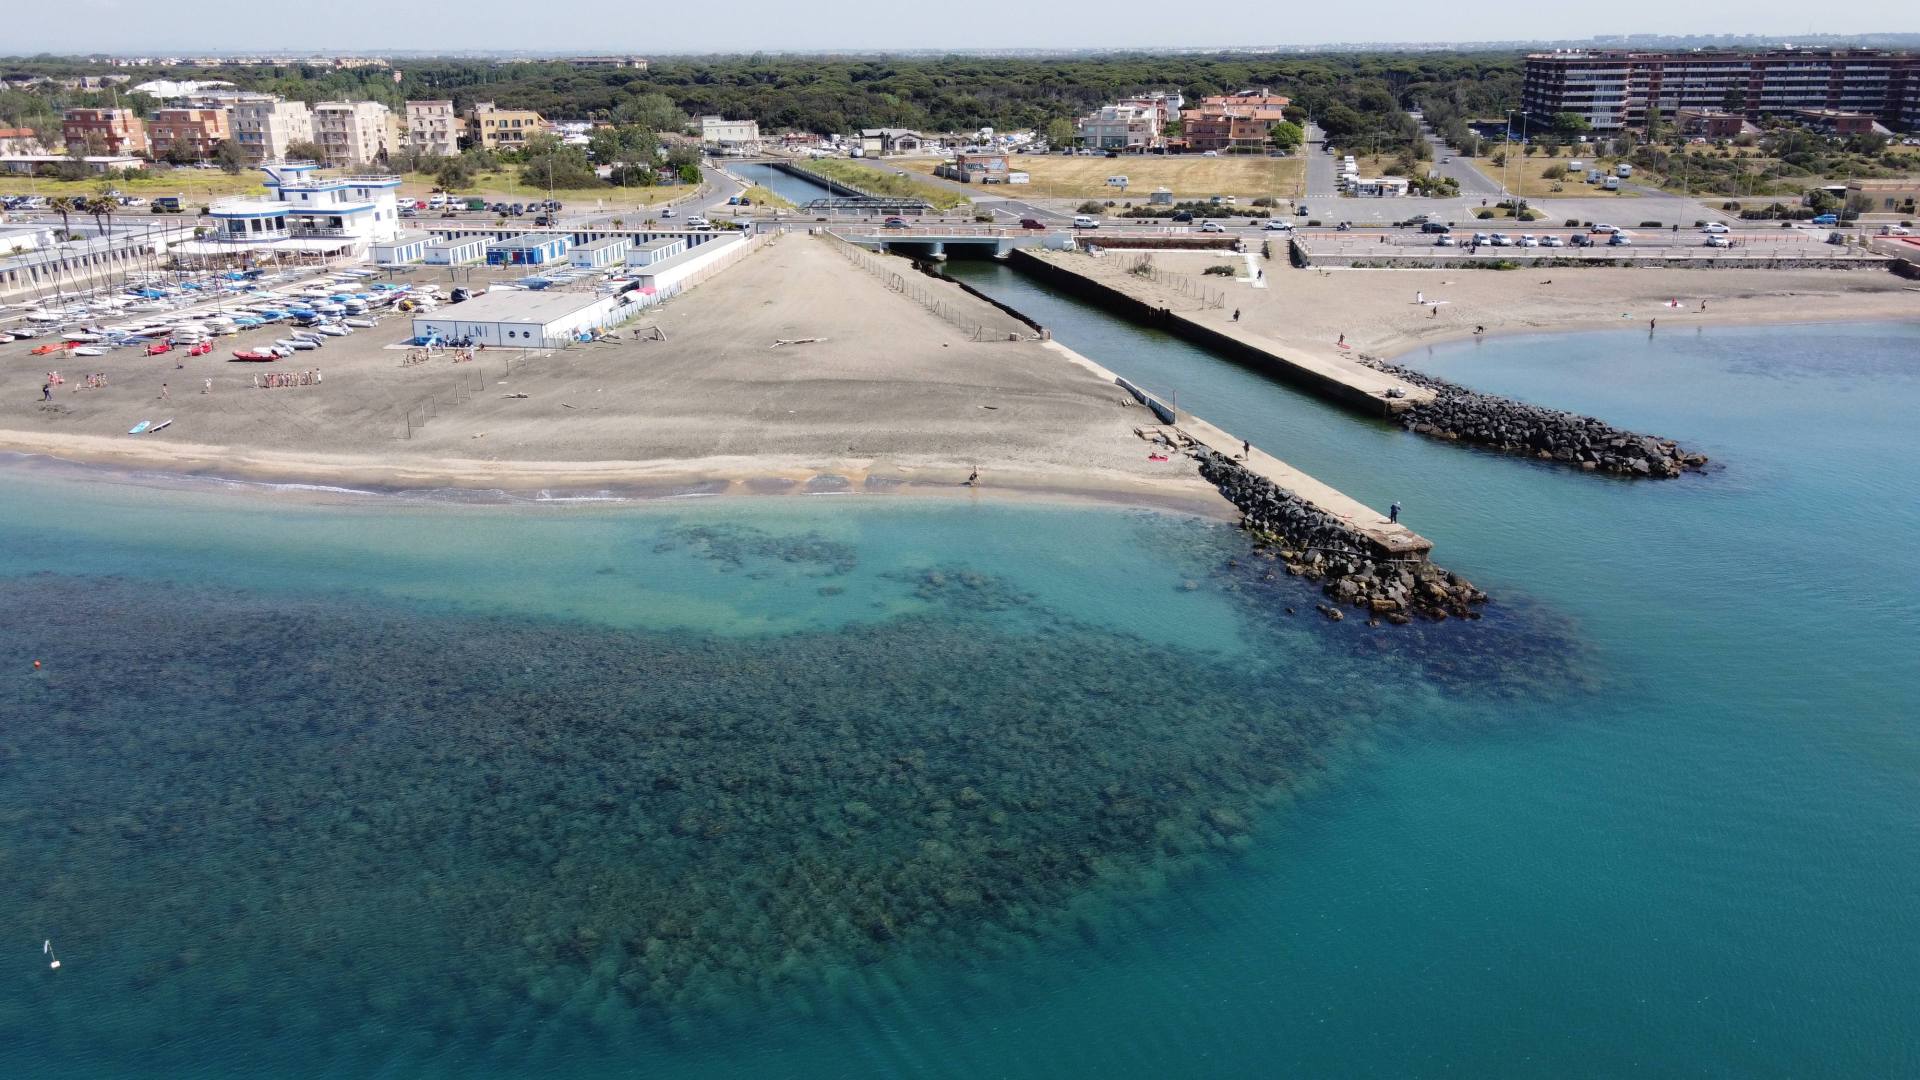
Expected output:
(1515, 427)
(1352, 570)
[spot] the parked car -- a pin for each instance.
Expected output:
(1894, 230)
(1435, 227)
(1527, 240)
(1300, 212)
(1212, 226)
(1084, 221)
(1032, 223)
(1581, 240)
(1605, 229)
(697, 223)
(1552, 241)
(1826, 219)
(1499, 239)
(667, 213)
(542, 221)
(1445, 241)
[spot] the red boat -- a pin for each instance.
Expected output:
(255, 356)
(48, 350)
(159, 347)
(201, 349)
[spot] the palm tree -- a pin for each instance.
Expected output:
(64, 205)
(619, 222)
(102, 206)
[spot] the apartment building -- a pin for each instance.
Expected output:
(354, 132)
(433, 128)
(1612, 90)
(1225, 123)
(104, 131)
(495, 128)
(264, 126)
(1135, 123)
(188, 132)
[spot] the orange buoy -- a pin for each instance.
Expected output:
(36, 665)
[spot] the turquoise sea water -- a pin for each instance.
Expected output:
(849, 786)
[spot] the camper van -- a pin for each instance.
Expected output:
(1117, 181)
(1612, 183)
(1623, 170)
(1593, 176)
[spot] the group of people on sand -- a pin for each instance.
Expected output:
(421, 356)
(273, 380)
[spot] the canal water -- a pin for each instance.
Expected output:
(796, 190)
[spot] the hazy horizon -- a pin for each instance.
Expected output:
(582, 26)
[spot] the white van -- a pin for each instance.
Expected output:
(1084, 221)
(1623, 170)
(436, 202)
(1117, 181)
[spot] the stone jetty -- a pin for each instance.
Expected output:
(1353, 568)
(1456, 413)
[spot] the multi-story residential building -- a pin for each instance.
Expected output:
(1233, 122)
(634, 62)
(1134, 123)
(264, 126)
(433, 128)
(340, 216)
(194, 132)
(1119, 127)
(502, 129)
(104, 131)
(354, 132)
(729, 134)
(1612, 90)
(20, 141)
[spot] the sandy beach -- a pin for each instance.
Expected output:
(889, 397)
(1380, 311)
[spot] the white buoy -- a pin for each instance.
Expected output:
(47, 948)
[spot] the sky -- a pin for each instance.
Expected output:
(601, 26)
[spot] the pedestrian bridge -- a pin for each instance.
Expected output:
(935, 241)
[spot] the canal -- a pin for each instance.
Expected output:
(794, 189)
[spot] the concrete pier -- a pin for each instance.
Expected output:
(1389, 539)
(1331, 376)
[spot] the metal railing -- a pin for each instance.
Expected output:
(912, 288)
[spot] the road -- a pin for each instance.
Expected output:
(1472, 181)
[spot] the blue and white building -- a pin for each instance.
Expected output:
(457, 251)
(408, 247)
(530, 249)
(600, 254)
(307, 215)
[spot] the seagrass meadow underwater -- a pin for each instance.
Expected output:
(334, 784)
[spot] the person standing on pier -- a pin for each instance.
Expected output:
(1393, 514)
(1236, 314)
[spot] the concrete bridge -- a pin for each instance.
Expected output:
(935, 241)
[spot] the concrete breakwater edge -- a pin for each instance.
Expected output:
(1370, 386)
(1352, 568)
(1456, 412)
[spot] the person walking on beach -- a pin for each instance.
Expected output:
(1650, 325)
(208, 388)
(973, 478)
(1393, 514)
(1246, 450)
(164, 392)
(46, 391)
(1342, 342)
(1236, 314)
(1420, 297)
